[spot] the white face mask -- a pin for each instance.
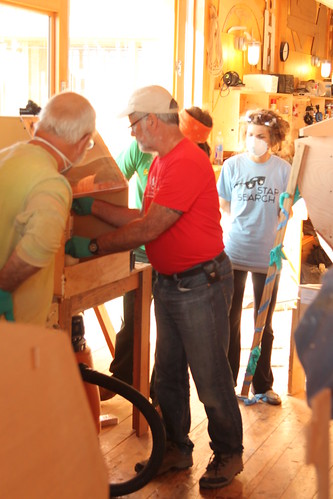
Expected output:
(67, 162)
(255, 146)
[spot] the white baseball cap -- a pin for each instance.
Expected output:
(152, 99)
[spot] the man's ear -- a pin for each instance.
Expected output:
(152, 120)
(83, 143)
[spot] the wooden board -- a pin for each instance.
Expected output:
(14, 129)
(315, 184)
(97, 176)
(320, 129)
(95, 273)
(49, 446)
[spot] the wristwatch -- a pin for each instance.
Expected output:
(93, 246)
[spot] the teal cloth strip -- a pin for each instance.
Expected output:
(283, 196)
(297, 195)
(253, 361)
(276, 256)
(254, 399)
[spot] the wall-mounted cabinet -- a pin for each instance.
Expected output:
(229, 108)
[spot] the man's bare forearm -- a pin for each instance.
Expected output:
(138, 232)
(113, 214)
(15, 272)
(124, 238)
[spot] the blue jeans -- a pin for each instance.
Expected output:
(193, 331)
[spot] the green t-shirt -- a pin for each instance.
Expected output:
(132, 161)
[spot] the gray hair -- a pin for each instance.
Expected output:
(69, 116)
(170, 118)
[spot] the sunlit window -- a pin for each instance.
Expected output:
(116, 47)
(24, 48)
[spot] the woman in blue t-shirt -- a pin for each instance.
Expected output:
(249, 188)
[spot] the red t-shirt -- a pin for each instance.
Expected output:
(184, 180)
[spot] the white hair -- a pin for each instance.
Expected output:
(69, 116)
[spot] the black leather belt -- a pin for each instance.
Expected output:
(202, 267)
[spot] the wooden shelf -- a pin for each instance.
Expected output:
(228, 110)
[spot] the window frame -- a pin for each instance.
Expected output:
(58, 12)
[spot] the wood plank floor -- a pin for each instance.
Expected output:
(274, 437)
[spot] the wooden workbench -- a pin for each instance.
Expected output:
(138, 280)
(81, 284)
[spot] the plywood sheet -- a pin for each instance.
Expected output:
(97, 172)
(316, 184)
(49, 447)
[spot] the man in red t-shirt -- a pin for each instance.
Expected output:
(180, 227)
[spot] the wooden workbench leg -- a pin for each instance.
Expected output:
(106, 326)
(65, 316)
(141, 348)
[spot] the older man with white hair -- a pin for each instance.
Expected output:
(35, 200)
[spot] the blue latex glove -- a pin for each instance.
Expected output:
(82, 206)
(77, 247)
(6, 305)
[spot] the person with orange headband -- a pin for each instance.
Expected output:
(196, 125)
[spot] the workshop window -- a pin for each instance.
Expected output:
(24, 58)
(116, 47)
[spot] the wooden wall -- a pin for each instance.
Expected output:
(305, 25)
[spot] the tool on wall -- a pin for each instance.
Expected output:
(308, 117)
(268, 57)
(215, 55)
(232, 79)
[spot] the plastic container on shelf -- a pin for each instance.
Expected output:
(273, 104)
(218, 150)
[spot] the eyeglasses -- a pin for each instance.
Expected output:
(137, 121)
(90, 144)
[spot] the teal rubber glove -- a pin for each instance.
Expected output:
(6, 305)
(78, 247)
(82, 206)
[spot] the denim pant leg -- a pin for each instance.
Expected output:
(234, 351)
(263, 376)
(171, 380)
(122, 364)
(193, 328)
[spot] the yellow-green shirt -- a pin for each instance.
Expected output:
(35, 200)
